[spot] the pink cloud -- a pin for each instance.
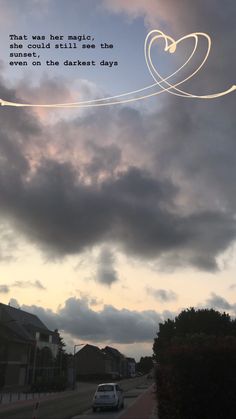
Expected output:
(178, 15)
(135, 8)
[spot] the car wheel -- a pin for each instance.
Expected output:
(94, 409)
(123, 405)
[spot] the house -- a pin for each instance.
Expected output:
(90, 361)
(24, 341)
(14, 358)
(118, 362)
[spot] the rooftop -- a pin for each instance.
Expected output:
(20, 323)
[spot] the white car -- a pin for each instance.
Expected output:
(108, 395)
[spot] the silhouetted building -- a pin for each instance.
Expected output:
(25, 343)
(91, 361)
(118, 362)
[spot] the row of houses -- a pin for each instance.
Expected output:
(30, 351)
(91, 362)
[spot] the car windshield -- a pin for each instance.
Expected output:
(106, 388)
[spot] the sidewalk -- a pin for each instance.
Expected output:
(31, 402)
(145, 407)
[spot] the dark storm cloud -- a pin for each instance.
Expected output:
(8, 243)
(109, 324)
(16, 131)
(106, 273)
(195, 140)
(162, 295)
(29, 284)
(56, 209)
(4, 289)
(103, 160)
(62, 214)
(220, 303)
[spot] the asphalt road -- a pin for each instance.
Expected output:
(130, 397)
(67, 404)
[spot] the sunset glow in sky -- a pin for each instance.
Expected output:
(114, 219)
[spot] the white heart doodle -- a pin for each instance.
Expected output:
(164, 84)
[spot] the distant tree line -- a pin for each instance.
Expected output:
(145, 365)
(196, 366)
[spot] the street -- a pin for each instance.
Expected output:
(76, 403)
(140, 403)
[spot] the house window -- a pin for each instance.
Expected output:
(44, 337)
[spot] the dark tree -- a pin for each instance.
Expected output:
(145, 364)
(196, 363)
(62, 357)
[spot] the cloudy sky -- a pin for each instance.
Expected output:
(113, 219)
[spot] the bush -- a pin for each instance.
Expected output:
(45, 384)
(196, 358)
(196, 378)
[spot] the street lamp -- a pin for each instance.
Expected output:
(74, 364)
